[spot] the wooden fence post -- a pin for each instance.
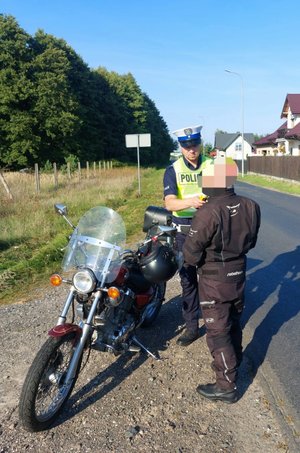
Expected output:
(79, 171)
(2, 179)
(55, 175)
(87, 170)
(94, 169)
(37, 178)
(69, 170)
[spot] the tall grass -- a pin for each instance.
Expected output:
(31, 216)
(32, 235)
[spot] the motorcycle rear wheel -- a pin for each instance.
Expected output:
(44, 393)
(153, 313)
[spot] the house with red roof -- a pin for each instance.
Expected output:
(286, 139)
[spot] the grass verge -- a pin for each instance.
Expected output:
(292, 188)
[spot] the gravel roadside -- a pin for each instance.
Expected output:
(133, 403)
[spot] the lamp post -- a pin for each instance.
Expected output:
(242, 113)
(202, 138)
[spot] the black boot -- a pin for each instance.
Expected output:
(188, 337)
(213, 392)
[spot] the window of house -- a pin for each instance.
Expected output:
(238, 147)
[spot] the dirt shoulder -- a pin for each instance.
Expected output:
(133, 403)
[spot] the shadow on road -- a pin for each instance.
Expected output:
(280, 277)
(155, 338)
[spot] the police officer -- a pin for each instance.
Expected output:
(219, 238)
(182, 195)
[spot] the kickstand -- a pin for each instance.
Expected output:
(137, 342)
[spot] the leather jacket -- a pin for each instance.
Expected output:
(222, 232)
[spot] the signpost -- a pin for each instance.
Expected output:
(137, 141)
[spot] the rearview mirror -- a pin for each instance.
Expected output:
(61, 209)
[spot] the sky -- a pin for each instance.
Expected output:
(178, 51)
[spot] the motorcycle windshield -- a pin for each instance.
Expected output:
(97, 244)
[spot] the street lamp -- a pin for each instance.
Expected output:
(202, 138)
(242, 113)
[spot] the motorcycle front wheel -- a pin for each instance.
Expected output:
(44, 392)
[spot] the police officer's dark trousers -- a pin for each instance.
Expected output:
(222, 305)
(189, 284)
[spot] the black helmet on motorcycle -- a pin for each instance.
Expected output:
(159, 265)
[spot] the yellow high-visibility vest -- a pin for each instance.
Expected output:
(188, 183)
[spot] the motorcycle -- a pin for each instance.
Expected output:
(115, 290)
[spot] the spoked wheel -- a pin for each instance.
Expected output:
(44, 392)
(159, 297)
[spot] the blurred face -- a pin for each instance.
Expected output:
(191, 152)
(222, 173)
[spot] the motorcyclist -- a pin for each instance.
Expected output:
(219, 238)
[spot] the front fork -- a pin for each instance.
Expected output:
(63, 316)
(85, 333)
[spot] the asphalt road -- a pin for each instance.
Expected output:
(272, 312)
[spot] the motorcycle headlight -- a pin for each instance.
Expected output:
(84, 281)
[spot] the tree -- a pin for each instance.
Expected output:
(137, 114)
(207, 149)
(162, 143)
(258, 137)
(53, 106)
(128, 117)
(17, 139)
